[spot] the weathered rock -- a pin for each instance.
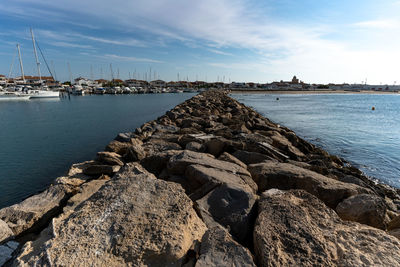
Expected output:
(178, 163)
(286, 176)
(159, 145)
(394, 223)
(395, 233)
(5, 232)
(251, 157)
(232, 207)
(134, 153)
(124, 137)
(294, 228)
(195, 146)
(69, 181)
(118, 147)
(97, 170)
(219, 249)
(230, 158)
(198, 175)
(133, 220)
(365, 209)
(76, 170)
(109, 158)
(34, 211)
(157, 162)
(215, 146)
(6, 251)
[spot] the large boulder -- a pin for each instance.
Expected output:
(294, 228)
(230, 158)
(35, 211)
(178, 163)
(109, 158)
(198, 175)
(364, 208)
(5, 232)
(219, 249)
(251, 157)
(287, 176)
(232, 207)
(133, 220)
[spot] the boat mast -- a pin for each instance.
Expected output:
(36, 56)
(20, 63)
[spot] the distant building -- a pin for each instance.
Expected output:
(85, 82)
(34, 80)
(158, 83)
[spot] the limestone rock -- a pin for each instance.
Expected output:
(155, 145)
(5, 232)
(219, 249)
(35, 210)
(232, 207)
(365, 209)
(178, 163)
(286, 176)
(198, 175)
(134, 153)
(156, 162)
(294, 228)
(394, 223)
(97, 170)
(230, 158)
(118, 147)
(109, 158)
(195, 146)
(251, 157)
(133, 220)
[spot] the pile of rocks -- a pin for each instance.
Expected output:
(210, 183)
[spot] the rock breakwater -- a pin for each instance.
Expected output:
(210, 183)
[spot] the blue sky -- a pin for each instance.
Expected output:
(227, 40)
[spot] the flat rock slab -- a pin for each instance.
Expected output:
(294, 228)
(36, 209)
(178, 163)
(133, 220)
(286, 176)
(198, 175)
(219, 249)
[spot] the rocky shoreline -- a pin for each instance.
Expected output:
(210, 183)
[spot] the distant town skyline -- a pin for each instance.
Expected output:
(227, 40)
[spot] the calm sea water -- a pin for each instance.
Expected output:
(40, 139)
(344, 125)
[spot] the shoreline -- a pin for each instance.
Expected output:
(294, 92)
(175, 178)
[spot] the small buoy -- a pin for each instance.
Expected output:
(373, 108)
(277, 98)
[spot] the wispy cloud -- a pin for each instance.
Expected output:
(129, 58)
(378, 24)
(66, 44)
(219, 52)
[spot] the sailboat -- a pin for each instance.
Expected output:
(43, 91)
(16, 95)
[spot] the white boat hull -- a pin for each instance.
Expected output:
(15, 97)
(45, 94)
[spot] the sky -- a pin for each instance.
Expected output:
(319, 41)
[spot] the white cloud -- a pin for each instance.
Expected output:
(129, 58)
(284, 49)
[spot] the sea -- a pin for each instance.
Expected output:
(40, 139)
(343, 124)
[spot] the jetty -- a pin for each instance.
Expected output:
(210, 183)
